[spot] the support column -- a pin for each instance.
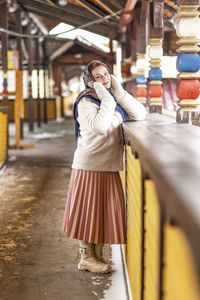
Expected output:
(19, 48)
(155, 54)
(30, 68)
(188, 62)
(141, 44)
(4, 41)
(44, 68)
(38, 83)
(4, 50)
(57, 72)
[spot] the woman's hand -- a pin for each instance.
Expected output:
(116, 88)
(101, 91)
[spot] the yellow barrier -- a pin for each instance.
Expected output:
(51, 109)
(134, 224)
(3, 137)
(159, 259)
(180, 278)
(58, 107)
(151, 242)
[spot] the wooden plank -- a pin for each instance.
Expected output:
(84, 59)
(169, 153)
(189, 2)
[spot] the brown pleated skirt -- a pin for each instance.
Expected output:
(95, 210)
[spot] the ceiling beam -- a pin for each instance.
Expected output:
(61, 50)
(93, 49)
(72, 59)
(80, 3)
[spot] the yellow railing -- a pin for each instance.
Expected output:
(3, 137)
(134, 223)
(51, 109)
(180, 274)
(162, 247)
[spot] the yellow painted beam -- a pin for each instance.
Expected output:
(180, 274)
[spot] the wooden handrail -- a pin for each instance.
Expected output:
(170, 154)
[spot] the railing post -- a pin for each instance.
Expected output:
(188, 62)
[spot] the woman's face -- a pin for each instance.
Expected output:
(101, 74)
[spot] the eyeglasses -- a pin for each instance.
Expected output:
(101, 76)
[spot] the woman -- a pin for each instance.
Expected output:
(95, 213)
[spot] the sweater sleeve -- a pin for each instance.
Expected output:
(97, 119)
(134, 109)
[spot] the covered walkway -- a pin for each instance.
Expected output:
(153, 48)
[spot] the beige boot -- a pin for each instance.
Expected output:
(88, 261)
(98, 251)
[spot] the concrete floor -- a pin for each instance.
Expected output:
(37, 261)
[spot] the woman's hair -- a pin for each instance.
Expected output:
(95, 63)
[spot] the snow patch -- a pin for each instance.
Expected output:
(2, 170)
(46, 135)
(117, 288)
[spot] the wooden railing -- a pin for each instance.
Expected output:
(162, 187)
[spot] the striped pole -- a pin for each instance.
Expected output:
(188, 64)
(155, 75)
(141, 81)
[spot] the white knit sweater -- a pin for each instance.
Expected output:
(100, 146)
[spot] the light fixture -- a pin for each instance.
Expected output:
(78, 55)
(82, 67)
(24, 20)
(41, 39)
(34, 29)
(13, 7)
(62, 2)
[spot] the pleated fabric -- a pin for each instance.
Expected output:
(95, 210)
